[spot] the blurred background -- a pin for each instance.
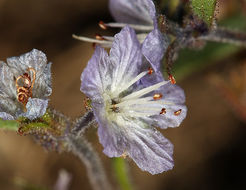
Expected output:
(209, 145)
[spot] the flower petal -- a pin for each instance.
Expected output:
(6, 116)
(7, 82)
(97, 75)
(149, 149)
(154, 47)
(110, 135)
(146, 146)
(35, 108)
(42, 86)
(125, 57)
(175, 95)
(34, 59)
(131, 11)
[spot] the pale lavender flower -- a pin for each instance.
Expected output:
(25, 85)
(140, 15)
(128, 110)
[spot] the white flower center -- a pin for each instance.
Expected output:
(136, 104)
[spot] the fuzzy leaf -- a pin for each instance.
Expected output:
(9, 125)
(204, 9)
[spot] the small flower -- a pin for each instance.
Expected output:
(25, 85)
(127, 109)
(140, 15)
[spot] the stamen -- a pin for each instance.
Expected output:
(144, 91)
(102, 25)
(150, 71)
(91, 40)
(99, 37)
(33, 77)
(132, 102)
(177, 113)
(22, 89)
(122, 25)
(172, 79)
(109, 38)
(163, 111)
(127, 85)
(143, 101)
(22, 97)
(157, 96)
(16, 81)
(25, 92)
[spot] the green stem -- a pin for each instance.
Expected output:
(121, 173)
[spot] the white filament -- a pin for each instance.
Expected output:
(134, 26)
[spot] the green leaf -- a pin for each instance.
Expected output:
(9, 125)
(204, 9)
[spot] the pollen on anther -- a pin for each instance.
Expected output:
(177, 113)
(172, 79)
(102, 25)
(150, 70)
(157, 96)
(99, 37)
(163, 111)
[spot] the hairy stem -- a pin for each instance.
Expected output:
(80, 147)
(226, 36)
(83, 122)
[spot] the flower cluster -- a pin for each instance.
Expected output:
(25, 85)
(130, 101)
(128, 93)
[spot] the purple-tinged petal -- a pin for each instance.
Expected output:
(35, 108)
(173, 93)
(146, 146)
(175, 98)
(125, 56)
(150, 150)
(152, 12)
(110, 135)
(6, 116)
(97, 75)
(154, 47)
(131, 11)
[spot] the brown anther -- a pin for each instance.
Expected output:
(150, 71)
(24, 92)
(23, 97)
(163, 111)
(157, 96)
(99, 37)
(177, 113)
(22, 89)
(102, 25)
(172, 79)
(34, 76)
